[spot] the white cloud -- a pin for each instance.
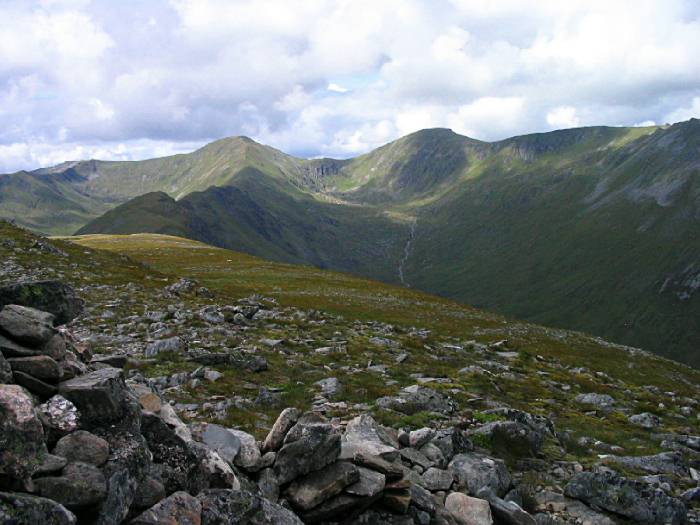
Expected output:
(326, 77)
(563, 117)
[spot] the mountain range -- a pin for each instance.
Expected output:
(595, 229)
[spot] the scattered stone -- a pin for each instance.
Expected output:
(172, 344)
(595, 400)
(416, 398)
(645, 420)
(629, 498)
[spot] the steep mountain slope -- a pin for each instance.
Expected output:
(592, 228)
(607, 240)
(270, 218)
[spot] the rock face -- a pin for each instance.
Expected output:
(633, 499)
(54, 297)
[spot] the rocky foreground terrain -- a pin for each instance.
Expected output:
(129, 396)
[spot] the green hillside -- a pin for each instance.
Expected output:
(596, 229)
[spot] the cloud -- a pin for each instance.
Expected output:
(563, 117)
(83, 78)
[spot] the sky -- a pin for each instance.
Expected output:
(138, 79)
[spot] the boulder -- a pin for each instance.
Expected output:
(286, 420)
(392, 471)
(224, 507)
(177, 509)
(363, 435)
(308, 447)
(313, 489)
(127, 467)
(506, 512)
(664, 463)
(220, 439)
(81, 485)
(34, 385)
(645, 420)
(100, 396)
(248, 456)
(172, 344)
(150, 492)
(9, 348)
(418, 398)
(633, 499)
(476, 471)
(418, 438)
(40, 366)
(22, 447)
(84, 447)
(54, 297)
(27, 325)
(20, 509)
(59, 416)
(369, 484)
(181, 465)
(468, 510)
(595, 400)
(437, 479)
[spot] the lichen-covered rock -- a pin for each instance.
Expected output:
(179, 508)
(633, 499)
(20, 509)
(84, 447)
(286, 420)
(127, 467)
(22, 446)
(40, 366)
(468, 510)
(81, 485)
(59, 415)
(313, 489)
(218, 438)
(308, 447)
(248, 456)
(416, 398)
(100, 396)
(224, 507)
(27, 325)
(363, 435)
(476, 471)
(55, 297)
